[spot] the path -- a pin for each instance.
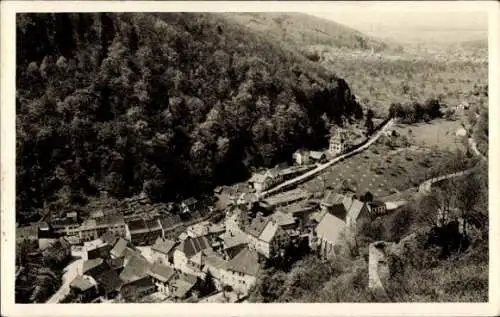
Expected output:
(70, 272)
(322, 167)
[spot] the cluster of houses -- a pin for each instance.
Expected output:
(182, 258)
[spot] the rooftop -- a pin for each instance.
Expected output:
(83, 282)
(330, 228)
(136, 268)
(246, 262)
(282, 218)
(161, 272)
(191, 246)
(119, 248)
(163, 246)
(182, 286)
(257, 226)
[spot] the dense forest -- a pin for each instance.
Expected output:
(169, 104)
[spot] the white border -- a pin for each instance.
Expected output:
(8, 10)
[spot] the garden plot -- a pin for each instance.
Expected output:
(380, 171)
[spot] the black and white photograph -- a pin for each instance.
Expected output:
(333, 155)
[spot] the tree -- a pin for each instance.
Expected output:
(369, 122)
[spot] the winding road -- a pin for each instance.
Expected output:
(311, 173)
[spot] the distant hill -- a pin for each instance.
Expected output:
(303, 31)
(171, 104)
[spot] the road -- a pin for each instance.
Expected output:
(70, 272)
(322, 167)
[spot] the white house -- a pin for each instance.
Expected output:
(241, 272)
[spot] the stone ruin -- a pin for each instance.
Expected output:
(379, 270)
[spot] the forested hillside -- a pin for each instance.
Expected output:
(171, 104)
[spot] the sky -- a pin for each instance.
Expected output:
(407, 24)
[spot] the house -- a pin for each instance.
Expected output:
(135, 278)
(45, 236)
(162, 251)
(301, 157)
(95, 249)
(285, 220)
(241, 272)
(189, 205)
(108, 280)
(199, 229)
(85, 287)
(213, 265)
(118, 248)
(338, 143)
(57, 253)
(110, 238)
(264, 235)
(345, 207)
(187, 255)
(133, 291)
(257, 181)
(317, 156)
(95, 227)
(376, 208)
(183, 285)
(65, 226)
(328, 235)
(169, 223)
(233, 243)
(161, 275)
(144, 231)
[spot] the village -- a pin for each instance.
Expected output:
(214, 257)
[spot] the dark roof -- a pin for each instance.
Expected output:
(169, 220)
(119, 248)
(246, 262)
(110, 220)
(257, 226)
(153, 224)
(191, 246)
(110, 280)
(137, 224)
(161, 272)
(136, 268)
(163, 245)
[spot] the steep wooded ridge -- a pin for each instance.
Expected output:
(307, 31)
(171, 104)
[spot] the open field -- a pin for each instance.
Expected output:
(438, 133)
(381, 171)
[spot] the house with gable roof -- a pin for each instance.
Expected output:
(345, 207)
(241, 272)
(163, 251)
(265, 235)
(187, 255)
(162, 276)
